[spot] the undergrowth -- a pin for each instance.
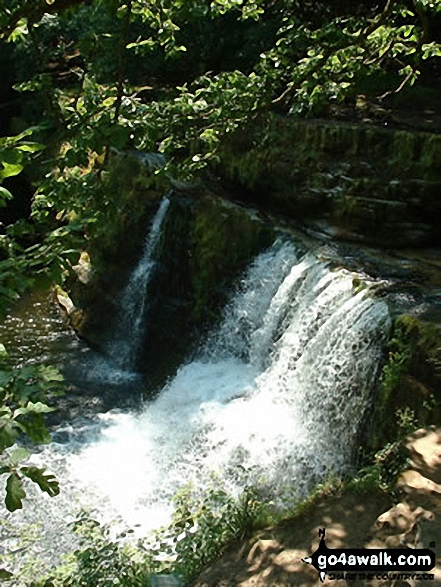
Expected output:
(383, 468)
(203, 526)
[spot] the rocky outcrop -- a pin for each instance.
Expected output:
(351, 181)
(409, 390)
(205, 243)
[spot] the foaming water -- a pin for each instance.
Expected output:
(279, 391)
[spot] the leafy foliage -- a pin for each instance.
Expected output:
(205, 525)
(23, 396)
(201, 528)
(99, 560)
(105, 76)
(400, 354)
(383, 469)
(102, 562)
(13, 152)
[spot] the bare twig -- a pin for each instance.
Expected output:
(400, 87)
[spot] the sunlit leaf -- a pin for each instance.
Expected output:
(30, 147)
(4, 195)
(49, 372)
(33, 408)
(10, 170)
(18, 454)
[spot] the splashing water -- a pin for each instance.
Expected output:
(279, 390)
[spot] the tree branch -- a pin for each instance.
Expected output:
(425, 22)
(359, 40)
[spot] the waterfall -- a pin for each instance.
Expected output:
(128, 336)
(278, 390)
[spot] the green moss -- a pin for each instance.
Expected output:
(408, 383)
(138, 191)
(224, 240)
(400, 352)
(358, 285)
(403, 149)
(431, 153)
(301, 166)
(346, 205)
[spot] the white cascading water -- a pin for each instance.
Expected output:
(129, 330)
(278, 390)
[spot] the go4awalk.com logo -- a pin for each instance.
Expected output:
(372, 563)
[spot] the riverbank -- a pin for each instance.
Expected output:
(373, 519)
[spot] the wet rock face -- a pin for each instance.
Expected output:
(205, 244)
(349, 181)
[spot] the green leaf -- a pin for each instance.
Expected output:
(143, 43)
(10, 170)
(19, 32)
(22, 135)
(5, 376)
(47, 483)
(14, 493)
(29, 131)
(19, 454)
(4, 574)
(35, 429)
(27, 372)
(49, 372)
(10, 155)
(4, 195)
(33, 408)
(30, 147)
(3, 351)
(165, 144)
(431, 50)
(8, 433)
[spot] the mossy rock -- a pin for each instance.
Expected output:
(224, 240)
(310, 170)
(410, 384)
(138, 191)
(114, 247)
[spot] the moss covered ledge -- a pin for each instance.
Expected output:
(409, 392)
(352, 181)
